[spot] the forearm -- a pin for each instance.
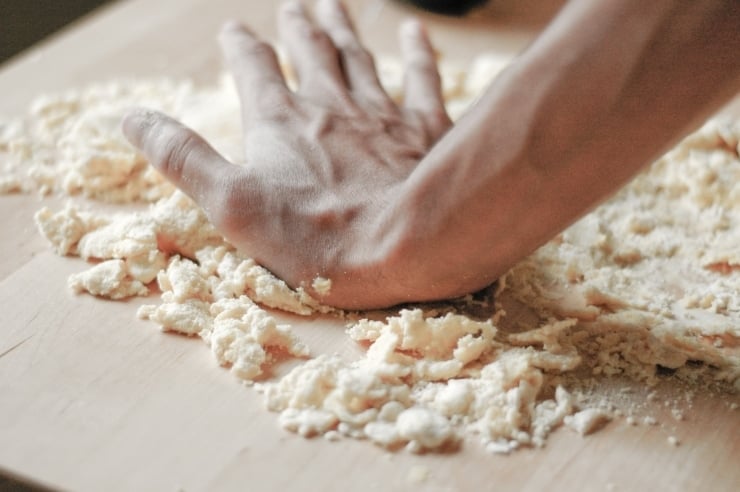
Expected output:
(603, 91)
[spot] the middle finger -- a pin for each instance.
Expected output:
(312, 53)
(254, 65)
(357, 63)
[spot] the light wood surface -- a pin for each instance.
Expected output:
(93, 399)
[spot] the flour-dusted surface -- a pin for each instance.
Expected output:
(645, 283)
(653, 274)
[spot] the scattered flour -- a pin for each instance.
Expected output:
(647, 281)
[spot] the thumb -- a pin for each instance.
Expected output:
(179, 153)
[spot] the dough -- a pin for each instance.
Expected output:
(648, 280)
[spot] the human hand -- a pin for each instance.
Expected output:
(324, 165)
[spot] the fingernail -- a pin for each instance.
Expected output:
(137, 120)
(294, 6)
(412, 27)
(231, 25)
(332, 4)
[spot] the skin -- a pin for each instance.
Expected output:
(395, 204)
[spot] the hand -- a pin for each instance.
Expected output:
(324, 165)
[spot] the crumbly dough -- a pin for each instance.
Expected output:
(109, 279)
(322, 286)
(586, 421)
(65, 228)
(648, 280)
(652, 275)
(10, 184)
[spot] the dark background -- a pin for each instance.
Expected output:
(24, 22)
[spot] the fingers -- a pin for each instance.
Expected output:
(179, 153)
(311, 52)
(357, 63)
(255, 68)
(422, 84)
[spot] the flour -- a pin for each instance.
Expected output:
(648, 280)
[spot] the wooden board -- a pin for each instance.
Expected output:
(93, 399)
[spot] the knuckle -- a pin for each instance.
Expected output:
(383, 106)
(227, 205)
(437, 128)
(276, 104)
(423, 64)
(343, 38)
(257, 49)
(438, 119)
(316, 36)
(357, 52)
(177, 147)
(331, 217)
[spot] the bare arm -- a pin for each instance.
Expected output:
(602, 92)
(394, 205)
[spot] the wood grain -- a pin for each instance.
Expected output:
(93, 399)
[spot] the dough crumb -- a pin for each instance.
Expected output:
(417, 475)
(107, 279)
(322, 286)
(587, 421)
(648, 420)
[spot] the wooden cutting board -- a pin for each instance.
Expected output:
(93, 399)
